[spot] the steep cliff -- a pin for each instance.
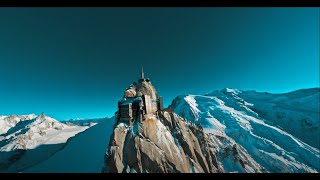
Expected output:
(164, 142)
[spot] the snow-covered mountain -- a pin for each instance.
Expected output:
(7, 122)
(278, 132)
(29, 139)
(227, 130)
(83, 153)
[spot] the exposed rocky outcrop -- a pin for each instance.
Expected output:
(142, 87)
(146, 88)
(164, 142)
(131, 91)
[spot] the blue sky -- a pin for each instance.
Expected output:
(76, 62)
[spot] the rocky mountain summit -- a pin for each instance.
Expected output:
(224, 131)
(164, 142)
(148, 138)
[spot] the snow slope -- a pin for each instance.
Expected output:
(42, 130)
(32, 140)
(83, 153)
(226, 115)
(7, 122)
(296, 112)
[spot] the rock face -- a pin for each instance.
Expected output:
(164, 142)
(146, 88)
(142, 87)
(224, 131)
(160, 141)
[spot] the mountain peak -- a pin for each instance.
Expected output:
(148, 138)
(230, 90)
(38, 131)
(42, 115)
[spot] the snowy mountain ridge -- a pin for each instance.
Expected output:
(38, 131)
(7, 122)
(245, 118)
(227, 130)
(29, 139)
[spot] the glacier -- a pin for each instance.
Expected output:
(232, 114)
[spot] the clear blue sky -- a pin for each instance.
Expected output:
(76, 62)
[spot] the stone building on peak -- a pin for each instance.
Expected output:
(140, 99)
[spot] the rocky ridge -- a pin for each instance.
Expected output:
(164, 142)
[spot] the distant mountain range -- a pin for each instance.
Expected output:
(227, 130)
